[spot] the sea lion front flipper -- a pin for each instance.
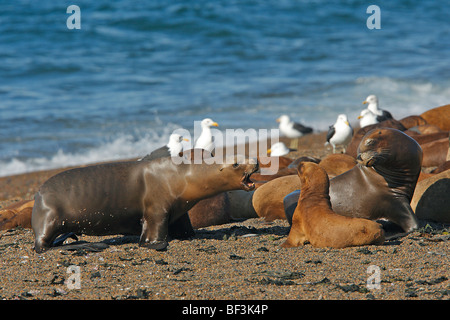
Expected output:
(155, 230)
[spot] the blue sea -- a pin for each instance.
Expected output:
(136, 71)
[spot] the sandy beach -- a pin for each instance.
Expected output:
(241, 260)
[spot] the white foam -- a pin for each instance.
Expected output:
(122, 147)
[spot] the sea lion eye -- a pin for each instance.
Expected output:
(370, 142)
(236, 165)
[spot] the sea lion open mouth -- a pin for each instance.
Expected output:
(246, 182)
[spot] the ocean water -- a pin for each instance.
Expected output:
(138, 70)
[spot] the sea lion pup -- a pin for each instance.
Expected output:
(136, 197)
(315, 222)
(381, 185)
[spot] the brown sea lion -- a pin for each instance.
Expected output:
(434, 152)
(439, 116)
(336, 164)
(137, 197)
(211, 211)
(352, 147)
(267, 200)
(16, 215)
(412, 121)
(431, 199)
(315, 222)
(381, 185)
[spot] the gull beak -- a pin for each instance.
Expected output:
(278, 120)
(364, 102)
(215, 124)
(346, 122)
(359, 117)
(184, 139)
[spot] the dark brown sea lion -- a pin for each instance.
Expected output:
(137, 197)
(381, 185)
(439, 116)
(315, 222)
(435, 152)
(16, 215)
(352, 147)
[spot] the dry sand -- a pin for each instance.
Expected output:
(241, 260)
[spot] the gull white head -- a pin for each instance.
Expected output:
(342, 118)
(174, 145)
(206, 123)
(283, 119)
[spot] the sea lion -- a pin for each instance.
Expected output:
(435, 152)
(439, 116)
(16, 215)
(211, 211)
(336, 164)
(267, 200)
(381, 185)
(315, 222)
(412, 121)
(352, 147)
(136, 197)
(431, 199)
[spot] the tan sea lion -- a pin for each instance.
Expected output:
(136, 197)
(439, 116)
(336, 164)
(431, 199)
(267, 200)
(381, 185)
(16, 215)
(315, 222)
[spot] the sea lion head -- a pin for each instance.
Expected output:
(394, 155)
(241, 167)
(313, 175)
(388, 147)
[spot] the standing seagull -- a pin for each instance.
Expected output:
(171, 149)
(205, 140)
(339, 133)
(382, 115)
(292, 129)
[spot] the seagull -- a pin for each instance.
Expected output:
(339, 133)
(171, 149)
(292, 129)
(279, 149)
(381, 114)
(205, 140)
(367, 117)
